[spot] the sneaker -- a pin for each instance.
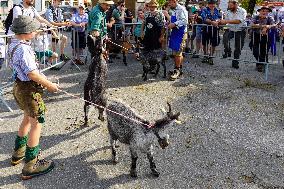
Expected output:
(175, 74)
(63, 57)
(18, 155)
(36, 167)
(260, 67)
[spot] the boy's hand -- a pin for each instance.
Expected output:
(53, 87)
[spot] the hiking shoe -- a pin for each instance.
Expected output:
(260, 68)
(63, 57)
(175, 74)
(235, 64)
(36, 167)
(18, 155)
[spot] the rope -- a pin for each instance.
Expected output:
(118, 45)
(99, 106)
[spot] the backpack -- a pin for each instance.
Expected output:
(9, 20)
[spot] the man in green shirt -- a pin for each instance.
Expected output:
(97, 26)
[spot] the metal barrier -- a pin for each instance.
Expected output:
(246, 46)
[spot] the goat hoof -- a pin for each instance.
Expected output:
(155, 173)
(114, 160)
(101, 118)
(133, 173)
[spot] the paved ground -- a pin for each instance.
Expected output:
(231, 134)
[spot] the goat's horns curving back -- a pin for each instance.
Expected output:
(170, 107)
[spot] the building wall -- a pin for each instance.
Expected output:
(130, 4)
(5, 8)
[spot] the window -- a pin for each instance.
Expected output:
(4, 3)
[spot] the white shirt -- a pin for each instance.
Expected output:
(40, 43)
(240, 15)
(181, 15)
(21, 10)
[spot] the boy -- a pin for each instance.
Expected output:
(27, 91)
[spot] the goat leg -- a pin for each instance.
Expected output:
(145, 72)
(157, 70)
(86, 111)
(164, 66)
(152, 165)
(113, 150)
(134, 157)
(101, 114)
(124, 58)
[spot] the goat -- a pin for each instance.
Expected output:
(95, 84)
(116, 48)
(151, 60)
(137, 135)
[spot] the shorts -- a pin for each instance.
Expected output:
(55, 40)
(47, 54)
(210, 35)
(28, 95)
(182, 45)
(78, 40)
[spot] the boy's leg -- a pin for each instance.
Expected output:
(21, 141)
(33, 165)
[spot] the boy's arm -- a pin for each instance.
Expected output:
(35, 76)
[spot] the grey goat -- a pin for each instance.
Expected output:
(137, 135)
(95, 85)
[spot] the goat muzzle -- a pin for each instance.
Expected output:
(163, 143)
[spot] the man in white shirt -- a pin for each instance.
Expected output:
(235, 19)
(26, 8)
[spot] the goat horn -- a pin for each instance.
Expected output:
(170, 107)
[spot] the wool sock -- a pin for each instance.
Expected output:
(20, 142)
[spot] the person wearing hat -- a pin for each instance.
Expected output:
(54, 15)
(261, 42)
(28, 91)
(79, 22)
(97, 25)
(210, 34)
(178, 26)
(235, 19)
(153, 35)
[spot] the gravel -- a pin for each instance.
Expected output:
(231, 134)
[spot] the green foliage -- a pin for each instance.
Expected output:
(162, 2)
(246, 4)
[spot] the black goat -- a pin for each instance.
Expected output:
(95, 85)
(151, 60)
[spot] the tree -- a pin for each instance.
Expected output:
(161, 2)
(249, 5)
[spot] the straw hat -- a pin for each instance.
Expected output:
(25, 24)
(106, 2)
(153, 3)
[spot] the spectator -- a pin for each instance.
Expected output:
(41, 47)
(118, 14)
(128, 19)
(210, 34)
(178, 25)
(197, 30)
(154, 27)
(235, 19)
(26, 8)
(260, 43)
(138, 32)
(55, 17)
(79, 21)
